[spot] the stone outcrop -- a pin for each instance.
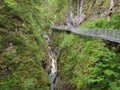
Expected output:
(100, 8)
(92, 10)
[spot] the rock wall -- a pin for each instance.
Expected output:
(92, 10)
(100, 8)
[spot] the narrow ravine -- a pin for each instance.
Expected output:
(51, 55)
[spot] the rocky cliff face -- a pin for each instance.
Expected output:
(100, 8)
(23, 52)
(74, 57)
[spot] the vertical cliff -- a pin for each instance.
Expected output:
(100, 8)
(86, 63)
(23, 52)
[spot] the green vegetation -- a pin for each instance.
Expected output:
(89, 63)
(113, 23)
(22, 47)
(83, 63)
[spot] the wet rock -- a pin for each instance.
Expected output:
(48, 67)
(61, 84)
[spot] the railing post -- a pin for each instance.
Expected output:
(105, 33)
(99, 32)
(92, 32)
(113, 36)
(88, 32)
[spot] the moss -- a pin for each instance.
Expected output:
(103, 23)
(19, 25)
(78, 60)
(83, 61)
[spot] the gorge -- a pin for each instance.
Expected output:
(35, 57)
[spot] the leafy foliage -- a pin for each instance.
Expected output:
(22, 47)
(88, 63)
(113, 23)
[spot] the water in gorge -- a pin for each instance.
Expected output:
(52, 74)
(51, 55)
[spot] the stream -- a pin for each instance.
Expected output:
(51, 55)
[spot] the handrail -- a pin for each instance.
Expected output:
(107, 34)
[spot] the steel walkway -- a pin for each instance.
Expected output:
(106, 34)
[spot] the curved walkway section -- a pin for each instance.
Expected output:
(107, 34)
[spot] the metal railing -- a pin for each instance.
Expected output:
(107, 34)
